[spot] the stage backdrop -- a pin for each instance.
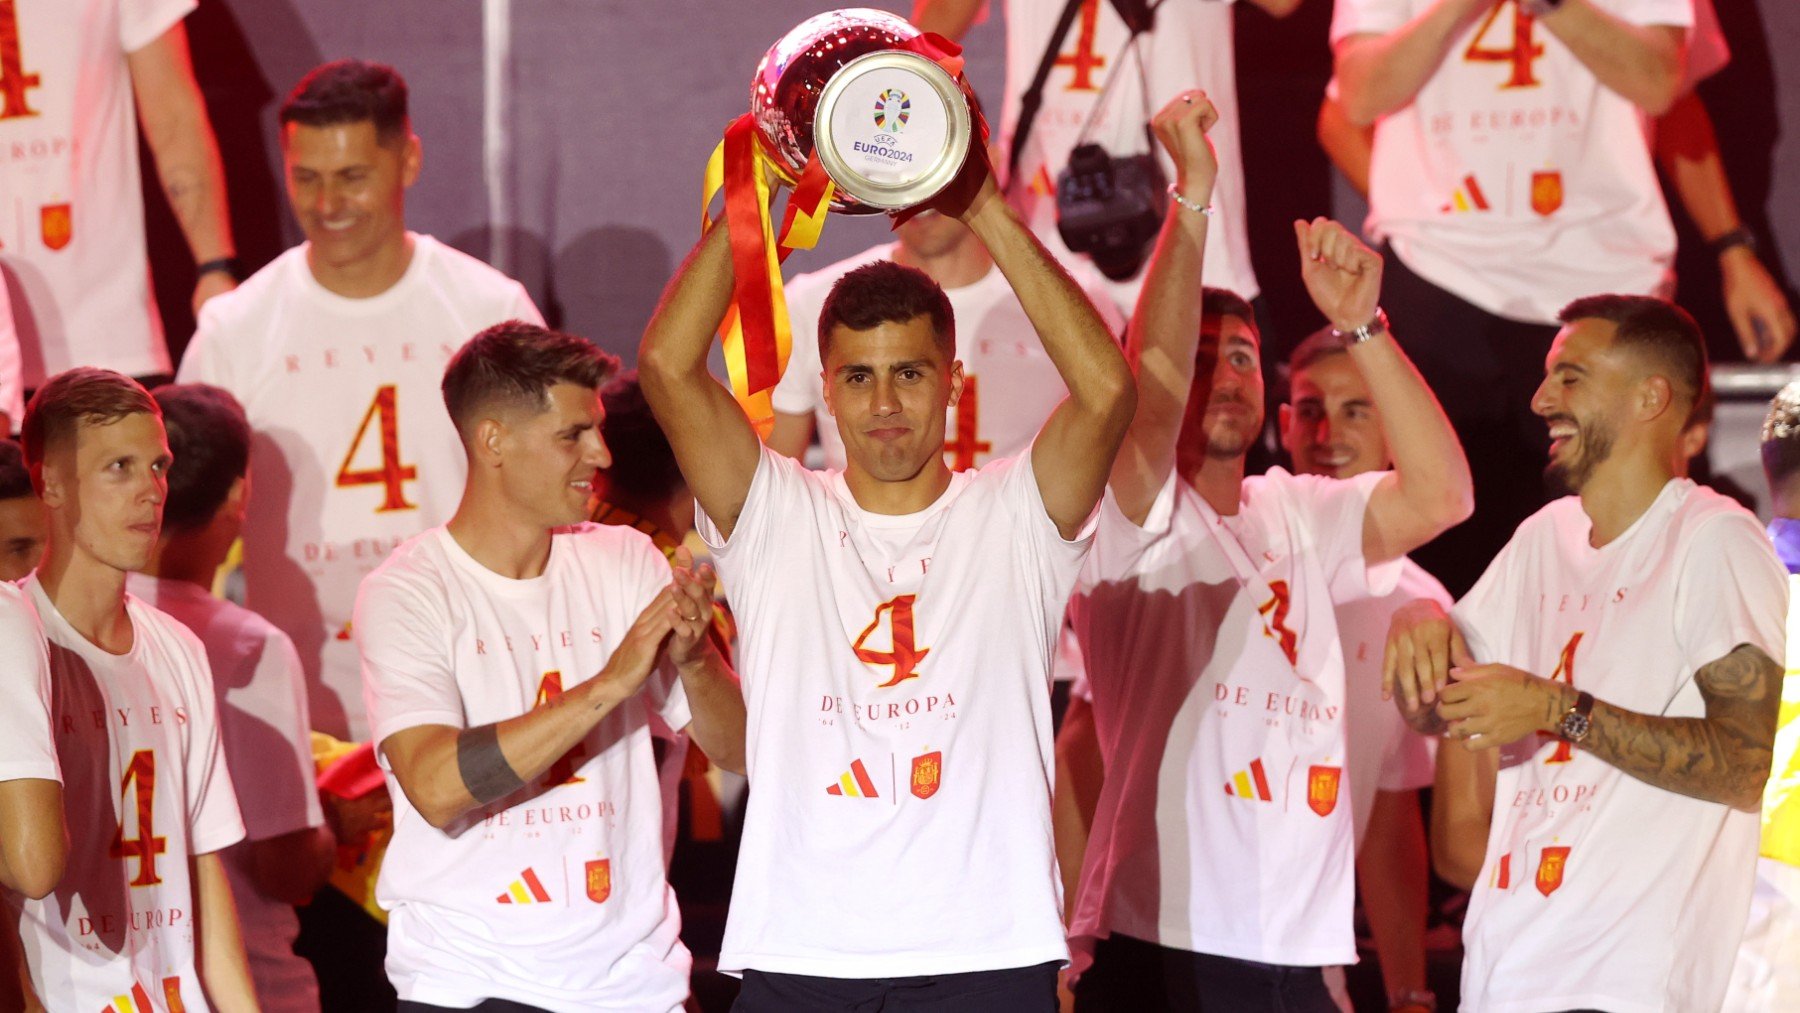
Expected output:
(564, 139)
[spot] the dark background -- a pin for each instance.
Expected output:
(564, 139)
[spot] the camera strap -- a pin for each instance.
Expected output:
(1033, 99)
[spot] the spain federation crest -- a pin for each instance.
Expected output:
(56, 223)
(1322, 788)
(599, 880)
(927, 773)
(1546, 192)
(1550, 869)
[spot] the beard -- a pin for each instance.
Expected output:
(1594, 444)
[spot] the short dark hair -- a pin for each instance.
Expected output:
(1320, 344)
(209, 437)
(350, 91)
(1216, 303)
(1656, 328)
(15, 478)
(884, 292)
(1781, 437)
(85, 395)
(643, 463)
(517, 363)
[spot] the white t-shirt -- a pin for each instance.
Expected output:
(555, 896)
(1010, 386)
(71, 198)
(268, 747)
(1599, 890)
(1385, 755)
(325, 380)
(12, 376)
(144, 787)
(1521, 198)
(1191, 47)
(897, 675)
(1219, 706)
(26, 749)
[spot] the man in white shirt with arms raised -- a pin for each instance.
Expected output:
(511, 661)
(1219, 874)
(335, 350)
(136, 728)
(286, 851)
(1622, 645)
(897, 624)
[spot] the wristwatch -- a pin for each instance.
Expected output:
(1379, 325)
(1577, 719)
(1740, 236)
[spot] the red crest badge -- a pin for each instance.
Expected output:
(57, 223)
(599, 880)
(1546, 192)
(1550, 869)
(927, 773)
(1322, 788)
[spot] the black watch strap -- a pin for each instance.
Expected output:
(1740, 236)
(228, 265)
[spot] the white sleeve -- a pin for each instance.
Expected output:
(1732, 590)
(1368, 17)
(1677, 13)
(1054, 560)
(776, 506)
(26, 747)
(1118, 543)
(142, 22)
(1708, 52)
(1332, 511)
(213, 819)
(1487, 613)
(270, 752)
(205, 360)
(522, 308)
(1411, 765)
(403, 638)
(12, 379)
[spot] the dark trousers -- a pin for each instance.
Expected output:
(1132, 976)
(347, 949)
(486, 1006)
(1484, 370)
(1012, 990)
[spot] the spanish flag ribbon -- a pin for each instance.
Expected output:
(948, 55)
(756, 332)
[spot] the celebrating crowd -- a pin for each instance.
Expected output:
(362, 659)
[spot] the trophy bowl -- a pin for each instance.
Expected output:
(889, 125)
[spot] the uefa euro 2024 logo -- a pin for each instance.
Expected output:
(892, 110)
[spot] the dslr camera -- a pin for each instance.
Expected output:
(1111, 207)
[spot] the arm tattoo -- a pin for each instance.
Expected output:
(1723, 757)
(484, 769)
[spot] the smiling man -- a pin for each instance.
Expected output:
(513, 660)
(1624, 644)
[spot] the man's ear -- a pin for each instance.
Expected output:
(412, 160)
(1655, 396)
(489, 445)
(50, 481)
(1284, 419)
(237, 498)
(956, 382)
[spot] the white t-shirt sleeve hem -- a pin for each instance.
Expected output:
(137, 32)
(39, 770)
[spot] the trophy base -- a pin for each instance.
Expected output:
(892, 130)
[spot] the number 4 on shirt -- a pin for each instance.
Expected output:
(1565, 670)
(1522, 54)
(903, 655)
(139, 785)
(392, 476)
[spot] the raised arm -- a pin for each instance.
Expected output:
(1163, 336)
(1074, 451)
(949, 18)
(1722, 757)
(447, 772)
(713, 441)
(180, 136)
(1378, 73)
(1644, 63)
(1429, 488)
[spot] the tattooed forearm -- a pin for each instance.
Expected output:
(485, 771)
(1723, 757)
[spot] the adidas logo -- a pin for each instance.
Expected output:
(854, 782)
(1250, 784)
(1467, 197)
(527, 889)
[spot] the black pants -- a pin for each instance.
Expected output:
(486, 1006)
(1012, 990)
(1484, 370)
(1132, 976)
